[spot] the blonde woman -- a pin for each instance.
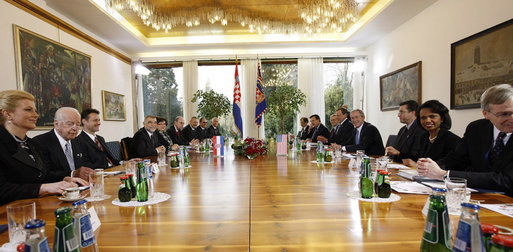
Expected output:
(22, 171)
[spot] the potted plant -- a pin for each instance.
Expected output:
(285, 100)
(211, 104)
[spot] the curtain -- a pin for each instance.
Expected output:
(190, 86)
(311, 83)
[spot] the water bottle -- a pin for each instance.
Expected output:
(151, 185)
(36, 236)
(469, 237)
(83, 227)
(182, 160)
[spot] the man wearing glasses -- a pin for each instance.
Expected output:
(485, 156)
(59, 148)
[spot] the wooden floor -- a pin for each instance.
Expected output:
(267, 204)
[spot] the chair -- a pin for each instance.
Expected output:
(115, 149)
(391, 140)
(126, 145)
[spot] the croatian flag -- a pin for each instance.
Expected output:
(237, 118)
(281, 145)
(261, 105)
(218, 146)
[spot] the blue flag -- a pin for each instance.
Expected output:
(261, 105)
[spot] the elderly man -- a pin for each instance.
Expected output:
(365, 136)
(334, 123)
(191, 132)
(93, 147)
(145, 141)
(60, 150)
(485, 156)
(404, 143)
(318, 129)
(214, 129)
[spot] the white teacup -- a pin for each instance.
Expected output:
(71, 193)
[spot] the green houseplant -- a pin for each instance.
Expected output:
(285, 100)
(211, 104)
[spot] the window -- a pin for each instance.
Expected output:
(163, 92)
(338, 91)
(273, 75)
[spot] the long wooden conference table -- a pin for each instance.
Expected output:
(266, 204)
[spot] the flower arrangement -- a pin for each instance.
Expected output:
(250, 147)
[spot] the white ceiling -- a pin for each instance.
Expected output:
(87, 15)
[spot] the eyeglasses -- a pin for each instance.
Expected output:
(502, 115)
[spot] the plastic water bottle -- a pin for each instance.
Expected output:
(469, 237)
(151, 185)
(36, 236)
(182, 159)
(83, 227)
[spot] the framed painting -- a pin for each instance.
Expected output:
(480, 61)
(113, 106)
(57, 75)
(401, 85)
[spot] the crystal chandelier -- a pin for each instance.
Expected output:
(316, 16)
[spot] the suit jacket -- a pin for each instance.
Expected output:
(180, 140)
(202, 133)
(189, 133)
(342, 135)
(305, 133)
(142, 144)
(20, 175)
(444, 143)
(55, 158)
(211, 132)
(407, 142)
(370, 141)
(320, 130)
(93, 156)
(470, 160)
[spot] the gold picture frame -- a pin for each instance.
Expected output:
(57, 75)
(113, 106)
(401, 85)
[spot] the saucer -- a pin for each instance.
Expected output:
(72, 200)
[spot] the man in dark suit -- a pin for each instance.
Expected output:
(343, 130)
(318, 128)
(95, 151)
(305, 132)
(202, 129)
(404, 143)
(365, 136)
(214, 129)
(190, 132)
(485, 156)
(145, 141)
(176, 132)
(60, 150)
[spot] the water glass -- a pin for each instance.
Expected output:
(456, 194)
(17, 215)
(359, 158)
(382, 163)
(97, 184)
(162, 158)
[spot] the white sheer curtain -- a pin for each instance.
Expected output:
(311, 83)
(139, 102)
(190, 86)
(248, 101)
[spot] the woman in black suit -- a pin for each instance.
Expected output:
(22, 171)
(437, 141)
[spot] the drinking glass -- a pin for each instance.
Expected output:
(17, 215)
(162, 158)
(359, 158)
(96, 183)
(456, 193)
(382, 163)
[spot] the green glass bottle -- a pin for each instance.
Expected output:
(124, 192)
(142, 184)
(366, 185)
(502, 243)
(64, 236)
(437, 231)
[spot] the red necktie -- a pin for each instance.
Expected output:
(101, 148)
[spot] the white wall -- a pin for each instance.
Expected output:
(107, 72)
(428, 37)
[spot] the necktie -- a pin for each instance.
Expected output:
(332, 132)
(497, 148)
(357, 136)
(101, 148)
(69, 156)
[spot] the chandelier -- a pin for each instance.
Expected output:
(316, 16)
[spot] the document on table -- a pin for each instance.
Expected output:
(505, 209)
(414, 187)
(398, 166)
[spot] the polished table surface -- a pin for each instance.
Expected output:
(266, 204)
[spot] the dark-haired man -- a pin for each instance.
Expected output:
(318, 128)
(95, 151)
(403, 146)
(305, 132)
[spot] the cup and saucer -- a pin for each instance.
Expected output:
(72, 194)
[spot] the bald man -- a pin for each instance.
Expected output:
(60, 150)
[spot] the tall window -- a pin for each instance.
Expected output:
(220, 79)
(338, 91)
(274, 75)
(163, 92)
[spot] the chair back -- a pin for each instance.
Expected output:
(126, 148)
(391, 140)
(115, 149)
